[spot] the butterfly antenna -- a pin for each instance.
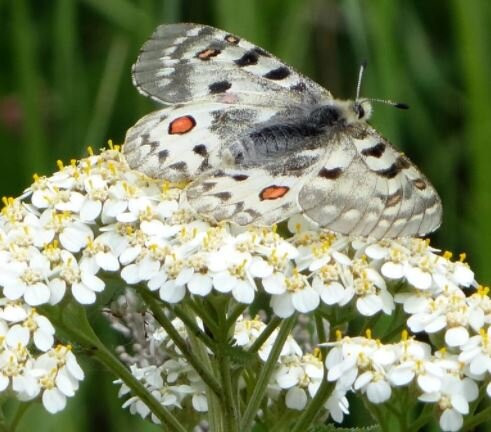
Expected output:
(363, 66)
(399, 105)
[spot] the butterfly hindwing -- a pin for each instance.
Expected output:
(181, 143)
(188, 62)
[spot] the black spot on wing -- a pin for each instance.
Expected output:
(219, 87)
(207, 186)
(200, 149)
(376, 151)
(248, 59)
(330, 174)
(299, 87)
(163, 155)
(400, 164)
(240, 177)
(179, 166)
(277, 74)
(223, 196)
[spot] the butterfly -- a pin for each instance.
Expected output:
(258, 142)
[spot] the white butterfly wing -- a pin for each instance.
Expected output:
(358, 186)
(181, 63)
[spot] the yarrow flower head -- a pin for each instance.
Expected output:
(196, 298)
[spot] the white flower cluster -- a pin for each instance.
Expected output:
(366, 365)
(29, 364)
(174, 382)
(96, 216)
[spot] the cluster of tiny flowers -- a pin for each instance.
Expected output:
(365, 365)
(175, 384)
(30, 366)
(97, 216)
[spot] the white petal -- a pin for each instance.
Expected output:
(282, 305)
(419, 278)
(37, 294)
(16, 335)
(90, 210)
(243, 292)
(305, 300)
(392, 270)
(43, 340)
(379, 391)
(83, 294)
(57, 288)
(296, 399)
(274, 284)
(456, 336)
(369, 305)
(200, 285)
(451, 420)
(53, 400)
(172, 293)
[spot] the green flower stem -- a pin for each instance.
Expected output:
(202, 312)
(19, 414)
(162, 319)
(215, 411)
(314, 406)
(266, 333)
(72, 321)
(224, 367)
(236, 311)
(471, 422)
(425, 417)
(265, 374)
(191, 326)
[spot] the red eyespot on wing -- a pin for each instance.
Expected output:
(181, 125)
(273, 192)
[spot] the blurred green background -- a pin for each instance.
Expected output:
(65, 84)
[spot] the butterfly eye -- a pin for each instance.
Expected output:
(359, 110)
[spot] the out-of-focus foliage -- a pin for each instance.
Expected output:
(65, 84)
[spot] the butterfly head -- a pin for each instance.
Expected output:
(362, 109)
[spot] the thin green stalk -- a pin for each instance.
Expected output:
(166, 324)
(265, 374)
(215, 415)
(315, 405)
(236, 311)
(424, 418)
(471, 422)
(266, 333)
(19, 415)
(224, 367)
(72, 322)
(203, 314)
(192, 327)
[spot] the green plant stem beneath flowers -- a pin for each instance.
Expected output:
(231, 414)
(315, 405)
(266, 333)
(265, 374)
(192, 327)
(71, 320)
(471, 422)
(166, 324)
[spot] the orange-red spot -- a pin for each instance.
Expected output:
(273, 192)
(181, 125)
(208, 53)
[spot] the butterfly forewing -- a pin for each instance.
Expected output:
(188, 62)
